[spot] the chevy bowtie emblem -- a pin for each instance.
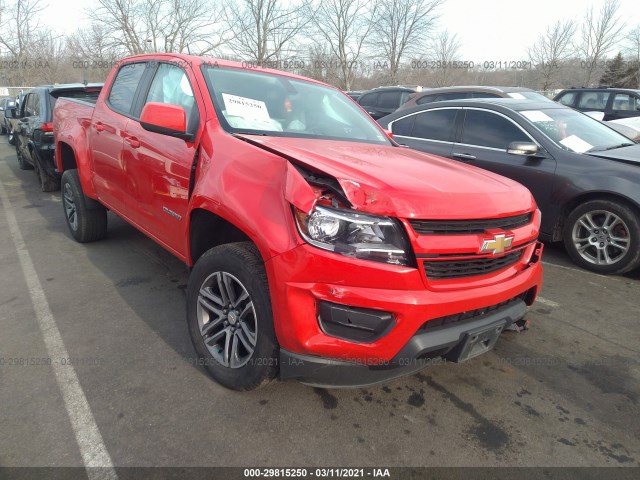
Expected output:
(498, 245)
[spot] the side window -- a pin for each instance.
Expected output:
(595, 100)
(28, 106)
(568, 99)
(425, 99)
(484, 95)
(453, 96)
(403, 126)
(125, 85)
(624, 102)
(389, 100)
(435, 125)
(487, 129)
(171, 85)
(368, 100)
(36, 105)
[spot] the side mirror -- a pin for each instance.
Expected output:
(527, 149)
(11, 112)
(165, 119)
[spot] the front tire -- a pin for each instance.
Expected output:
(603, 236)
(230, 319)
(86, 218)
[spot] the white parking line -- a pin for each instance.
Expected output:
(92, 448)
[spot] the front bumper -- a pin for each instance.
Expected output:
(305, 278)
(448, 342)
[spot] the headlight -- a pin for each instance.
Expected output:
(355, 234)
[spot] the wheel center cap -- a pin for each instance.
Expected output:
(233, 317)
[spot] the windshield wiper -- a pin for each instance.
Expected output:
(626, 144)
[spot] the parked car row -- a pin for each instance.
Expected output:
(30, 123)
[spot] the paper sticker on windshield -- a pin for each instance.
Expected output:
(576, 144)
(518, 96)
(536, 116)
(247, 108)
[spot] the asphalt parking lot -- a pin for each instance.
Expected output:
(564, 393)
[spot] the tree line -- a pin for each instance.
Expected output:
(353, 44)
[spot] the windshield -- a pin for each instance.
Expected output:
(574, 131)
(265, 104)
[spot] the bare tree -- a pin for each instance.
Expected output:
(139, 26)
(632, 52)
(550, 50)
(445, 49)
(599, 34)
(263, 31)
(344, 26)
(401, 28)
(19, 32)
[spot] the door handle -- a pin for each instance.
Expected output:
(99, 126)
(132, 141)
(465, 157)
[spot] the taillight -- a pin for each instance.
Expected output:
(47, 127)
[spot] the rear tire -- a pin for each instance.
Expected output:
(86, 218)
(230, 319)
(603, 236)
(22, 163)
(47, 182)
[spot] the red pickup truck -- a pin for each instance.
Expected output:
(321, 249)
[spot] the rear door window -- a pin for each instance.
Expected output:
(389, 100)
(404, 126)
(436, 124)
(593, 100)
(369, 100)
(124, 87)
(488, 129)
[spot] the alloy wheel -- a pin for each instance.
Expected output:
(601, 237)
(227, 319)
(70, 207)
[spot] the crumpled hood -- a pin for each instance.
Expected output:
(400, 182)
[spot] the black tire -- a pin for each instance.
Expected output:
(601, 245)
(239, 262)
(22, 163)
(86, 218)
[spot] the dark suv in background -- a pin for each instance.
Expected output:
(34, 130)
(464, 92)
(615, 103)
(382, 101)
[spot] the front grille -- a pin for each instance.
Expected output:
(440, 270)
(463, 227)
(469, 315)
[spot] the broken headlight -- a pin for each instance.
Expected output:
(355, 234)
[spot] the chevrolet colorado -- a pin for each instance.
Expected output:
(321, 249)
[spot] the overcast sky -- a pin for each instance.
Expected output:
(489, 30)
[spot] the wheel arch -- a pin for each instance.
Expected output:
(570, 205)
(67, 159)
(208, 230)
